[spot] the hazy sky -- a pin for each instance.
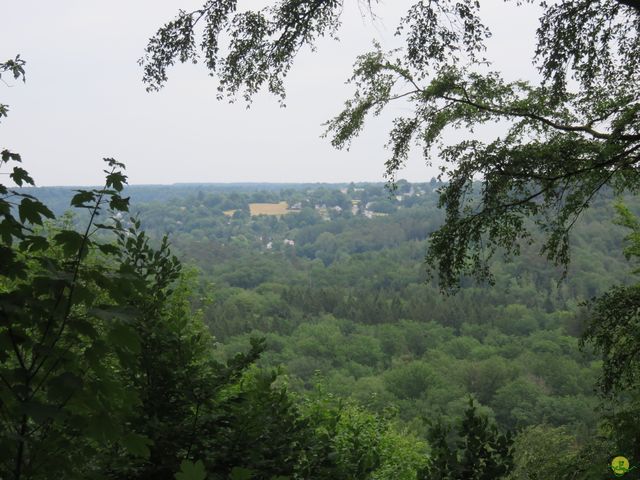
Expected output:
(84, 99)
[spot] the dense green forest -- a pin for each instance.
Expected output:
(482, 325)
(345, 306)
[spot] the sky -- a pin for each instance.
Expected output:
(84, 99)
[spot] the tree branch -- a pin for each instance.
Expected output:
(558, 126)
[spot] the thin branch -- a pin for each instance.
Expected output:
(558, 126)
(401, 95)
(596, 166)
(17, 351)
(585, 203)
(74, 279)
(10, 387)
(193, 432)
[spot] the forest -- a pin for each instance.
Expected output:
(334, 316)
(481, 325)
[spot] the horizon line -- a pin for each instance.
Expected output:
(355, 182)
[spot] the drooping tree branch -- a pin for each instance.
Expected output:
(576, 127)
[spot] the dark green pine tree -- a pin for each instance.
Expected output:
(481, 452)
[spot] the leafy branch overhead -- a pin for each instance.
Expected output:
(261, 49)
(557, 143)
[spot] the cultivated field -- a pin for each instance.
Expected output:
(269, 208)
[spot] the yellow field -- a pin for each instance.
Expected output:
(229, 213)
(269, 208)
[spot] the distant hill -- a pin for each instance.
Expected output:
(58, 198)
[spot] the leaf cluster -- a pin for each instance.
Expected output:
(261, 47)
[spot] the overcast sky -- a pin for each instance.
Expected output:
(84, 99)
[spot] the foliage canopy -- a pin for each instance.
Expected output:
(560, 141)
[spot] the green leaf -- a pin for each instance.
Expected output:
(21, 176)
(125, 337)
(82, 197)
(112, 163)
(71, 241)
(34, 243)
(119, 204)
(5, 345)
(191, 471)
(96, 353)
(9, 228)
(7, 155)
(33, 211)
(83, 294)
(84, 327)
(109, 249)
(68, 380)
(116, 180)
(40, 412)
(239, 473)
(136, 445)
(64, 385)
(102, 428)
(10, 266)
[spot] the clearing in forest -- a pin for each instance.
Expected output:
(281, 208)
